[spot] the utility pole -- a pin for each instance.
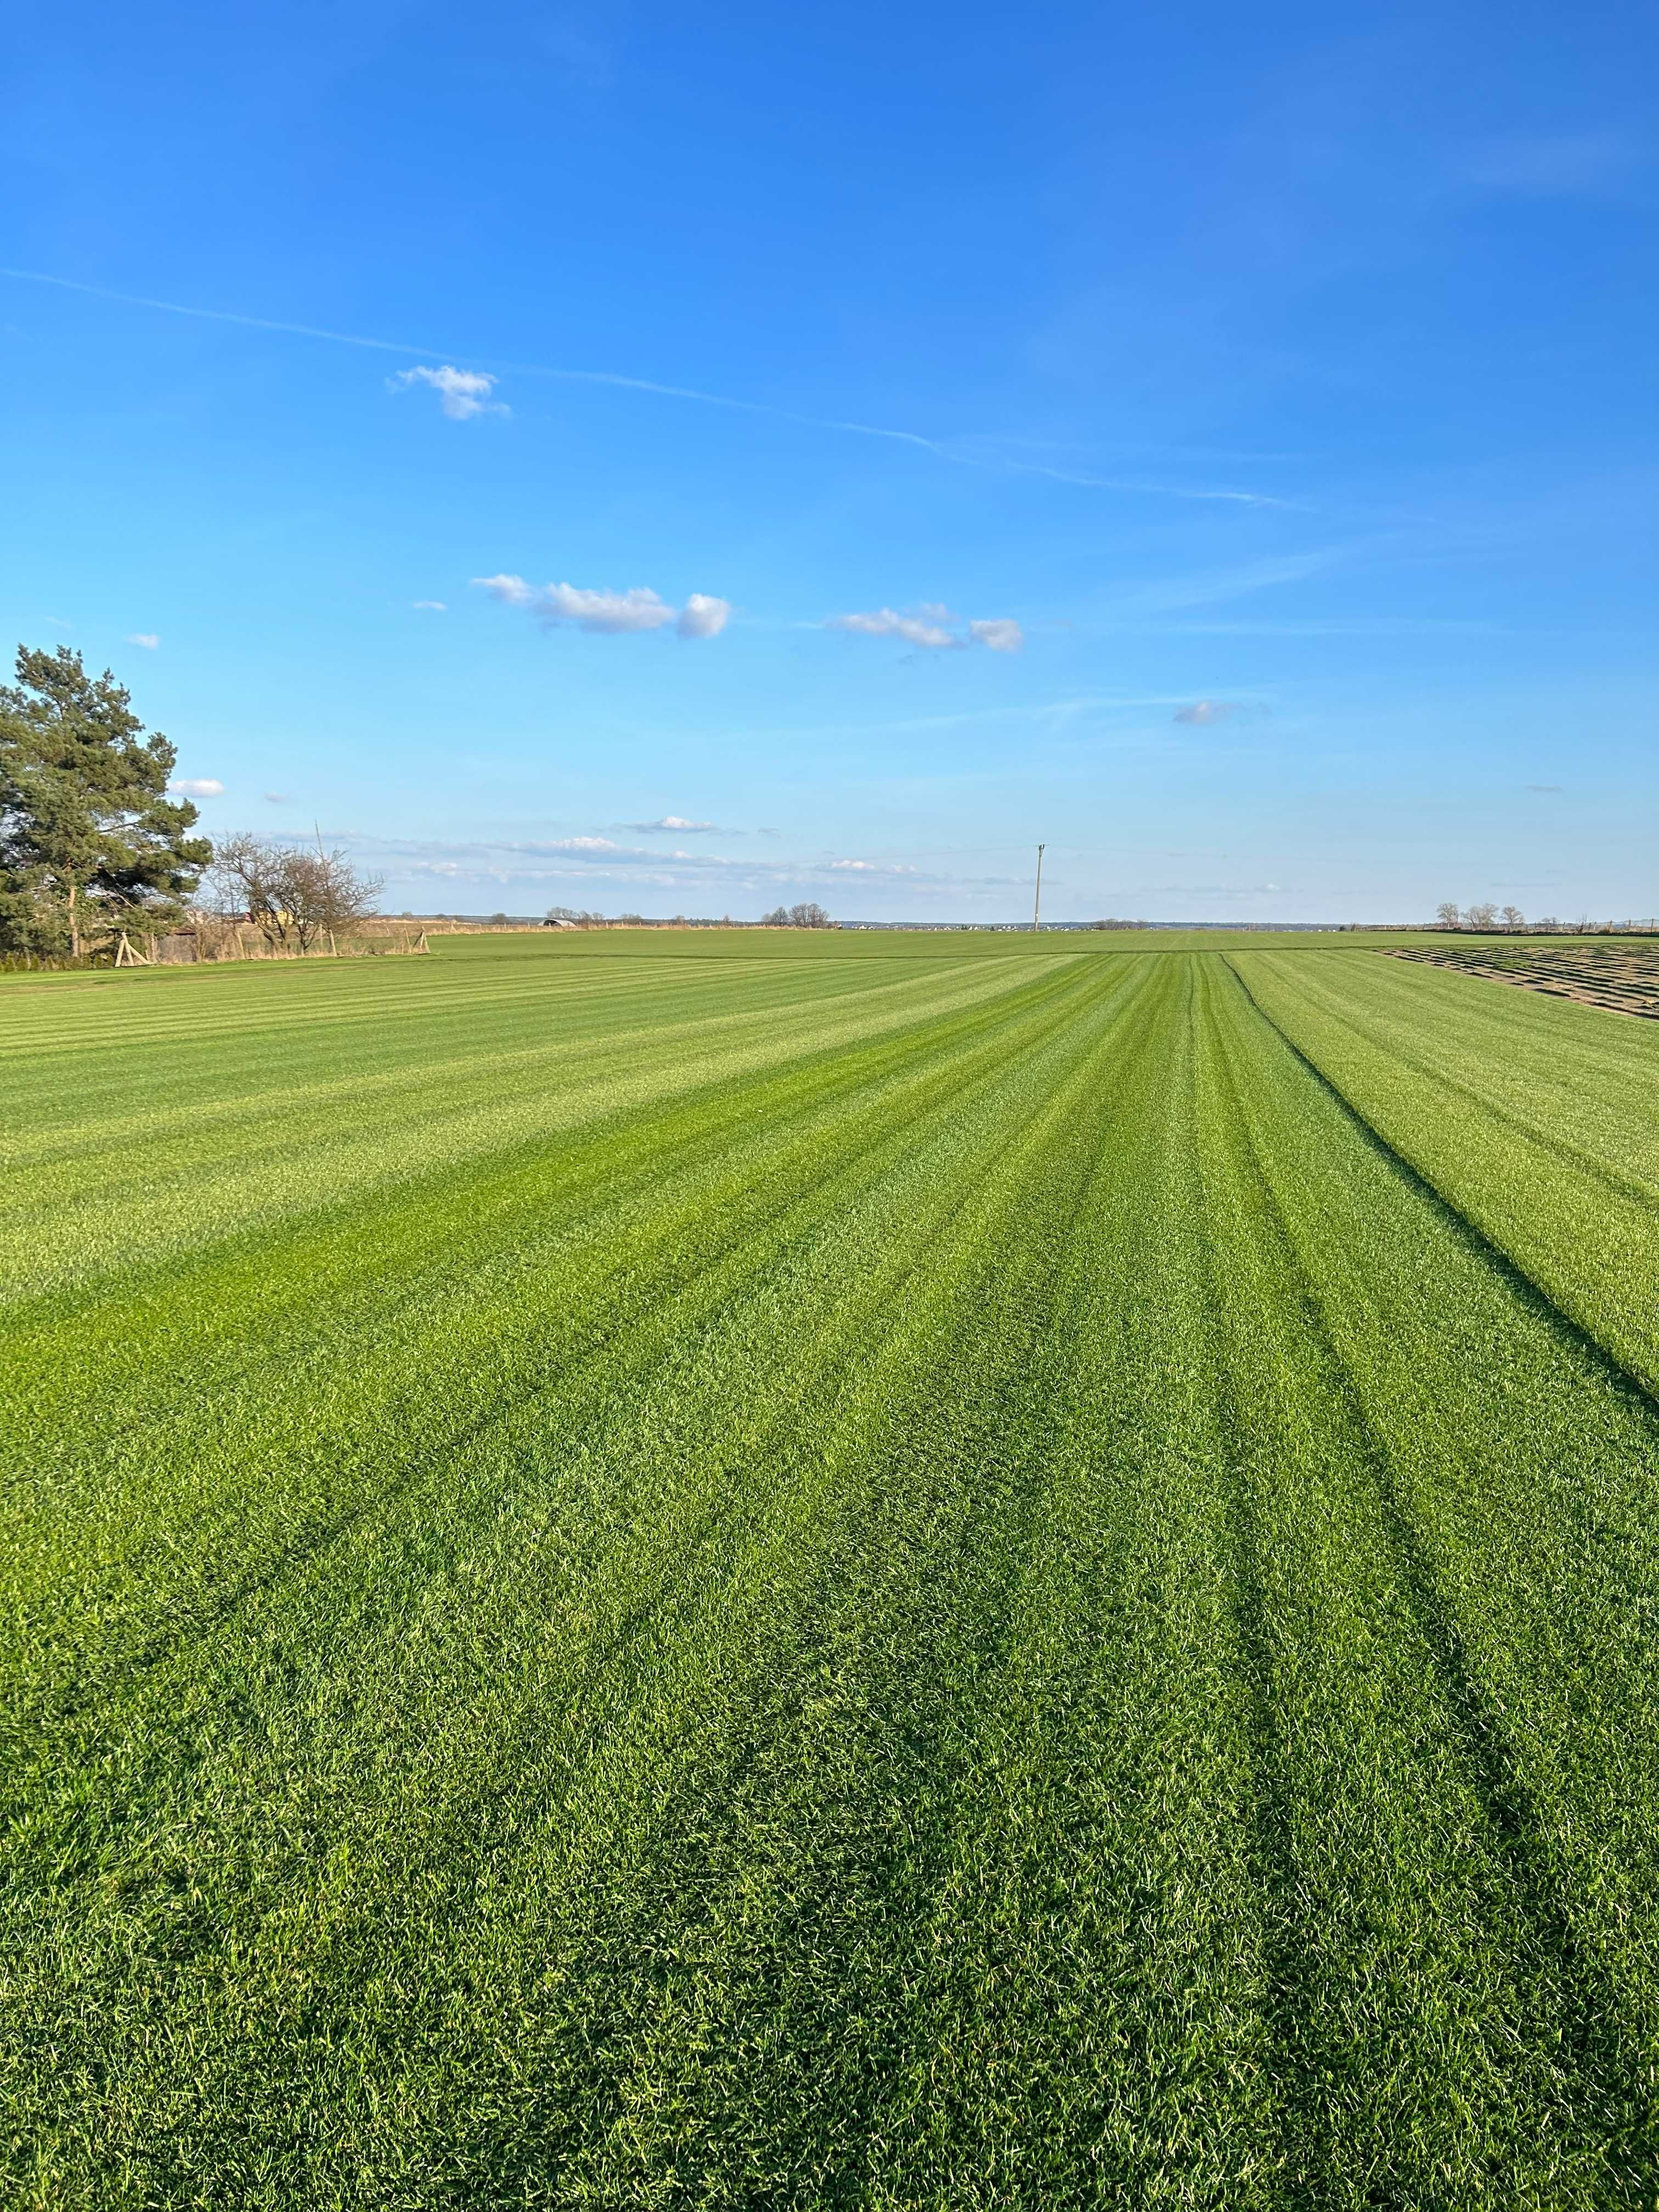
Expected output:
(326, 889)
(1036, 904)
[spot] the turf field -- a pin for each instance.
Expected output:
(773, 1571)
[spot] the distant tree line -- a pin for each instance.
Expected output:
(92, 844)
(807, 915)
(1485, 918)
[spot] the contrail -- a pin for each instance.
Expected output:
(212, 315)
(605, 376)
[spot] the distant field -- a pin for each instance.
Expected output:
(774, 1570)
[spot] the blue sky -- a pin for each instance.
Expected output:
(567, 454)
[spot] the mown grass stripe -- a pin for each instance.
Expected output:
(1536, 1120)
(1522, 1286)
(1565, 2015)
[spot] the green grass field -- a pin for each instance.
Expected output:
(759, 1571)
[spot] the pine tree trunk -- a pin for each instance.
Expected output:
(75, 927)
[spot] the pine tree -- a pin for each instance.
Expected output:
(89, 840)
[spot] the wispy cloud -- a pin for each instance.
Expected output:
(1054, 716)
(495, 861)
(1206, 587)
(278, 798)
(147, 638)
(462, 392)
(956, 453)
(1145, 486)
(572, 50)
(1555, 787)
(605, 613)
(429, 606)
(934, 628)
(1339, 626)
(923, 628)
(679, 825)
(198, 786)
(581, 853)
(1558, 165)
(1202, 711)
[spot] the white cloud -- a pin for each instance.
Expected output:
(511, 591)
(929, 625)
(147, 638)
(462, 392)
(277, 799)
(582, 845)
(875, 868)
(675, 822)
(1206, 710)
(704, 616)
(196, 787)
(611, 614)
(923, 628)
(429, 606)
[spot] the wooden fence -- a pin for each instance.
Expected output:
(241, 940)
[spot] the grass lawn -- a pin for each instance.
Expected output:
(773, 1570)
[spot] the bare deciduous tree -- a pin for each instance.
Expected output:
(1483, 916)
(291, 895)
(333, 894)
(249, 876)
(806, 914)
(1513, 918)
(1447, 914)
